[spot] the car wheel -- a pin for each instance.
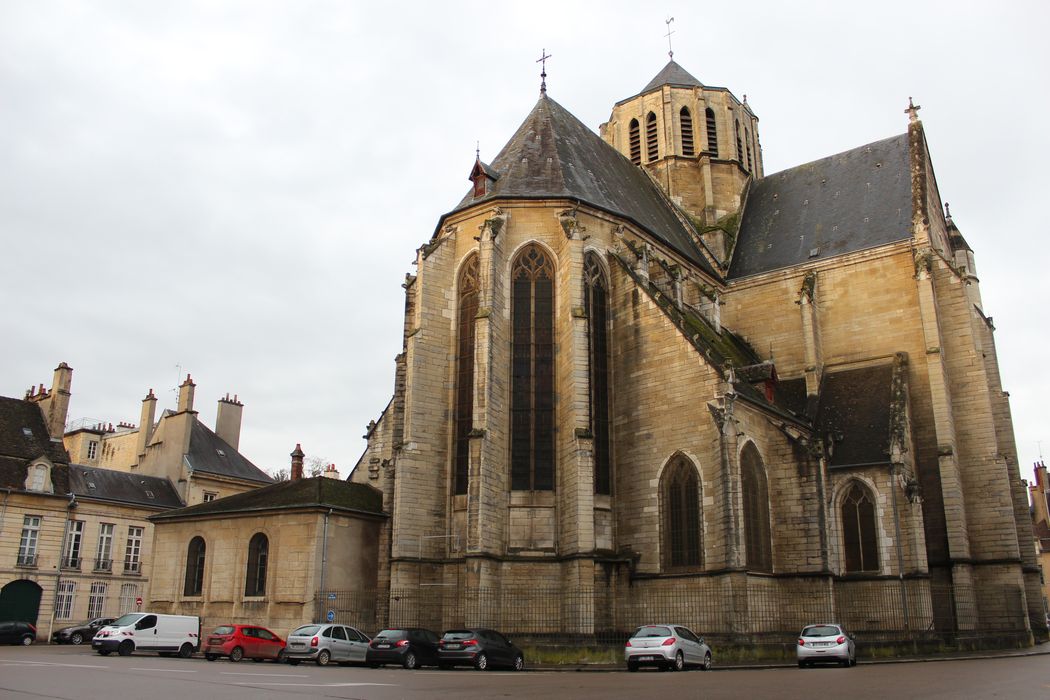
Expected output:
(481, 662)
(410, 661)
(632, 666)
(706, 666)
(679, 662)
(282, 656)
(186, 651)
(76, 638)
(519, 663)
(211, 657)
(26, 640)
(236, 654)
(126, 647)
(323, 657)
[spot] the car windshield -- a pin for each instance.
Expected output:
(391, 634)
(305, 631)
(129, 619)
(458, 635)
(225, 629)
(821, 631)
(652, 631)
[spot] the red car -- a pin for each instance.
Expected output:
(243, 642)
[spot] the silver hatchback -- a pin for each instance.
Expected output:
(823, 643)
(324, 642)
(668, 646)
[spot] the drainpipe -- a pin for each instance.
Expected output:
(70, 507)
(900, 554)
(324, 551)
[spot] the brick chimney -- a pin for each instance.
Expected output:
(228, 420)
(186, 395)
(149, 414)
(297, 463)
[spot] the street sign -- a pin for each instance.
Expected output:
(331, 596)
(331, 615)
(138, 603)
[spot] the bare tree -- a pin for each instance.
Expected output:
(315, 466)
(280, 475)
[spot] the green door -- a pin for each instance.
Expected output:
(20, 600)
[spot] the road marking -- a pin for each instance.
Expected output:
(168, 670)
(50, 663)
(321, 685)
(272, 675)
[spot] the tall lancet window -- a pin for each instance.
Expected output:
(635, 137)
(859, 536)
(596, 303)
(464, 411)
(532, 371)
(682, 535)
(756, 510)
(652, 148)
(747, 146)
(739, 143)
(712, 132)
(686, 121)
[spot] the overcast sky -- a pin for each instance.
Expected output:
(236, 189)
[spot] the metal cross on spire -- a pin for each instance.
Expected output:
(543, 71)
(912, 111)
(670, 53)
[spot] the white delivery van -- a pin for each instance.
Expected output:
(146, 631)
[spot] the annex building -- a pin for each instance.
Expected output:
(643, 379)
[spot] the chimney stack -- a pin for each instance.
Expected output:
(149, 413)
(331, 472)
(55, 403)
(297, 463)
(228, 420)
(186, 395)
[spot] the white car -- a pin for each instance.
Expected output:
(824, 643)
(667, 646)
(146, 631)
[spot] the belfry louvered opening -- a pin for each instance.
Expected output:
(652, 150)
(636, 142)
(686, 122)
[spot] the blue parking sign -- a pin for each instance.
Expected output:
(331, 615)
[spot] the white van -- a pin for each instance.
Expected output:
(146, 631)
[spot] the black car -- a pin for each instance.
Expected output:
(410, 647)
(479, 647)
(17, 633)
(78, 633)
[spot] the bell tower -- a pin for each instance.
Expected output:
(698, 142)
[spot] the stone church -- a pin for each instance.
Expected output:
(643, 379)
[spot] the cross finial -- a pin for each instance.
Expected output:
(912, 111)
(947, 212)
(670, 53)
(477, 151)
(543, 70)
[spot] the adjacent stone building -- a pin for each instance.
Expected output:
(1040, 494)
(641, 378)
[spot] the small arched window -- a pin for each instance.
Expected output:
(652, 150)
(756, 510)
(859, 535)
(635, 138)
(195, 567)
(712, 133)
(596, 304)
(258, 556)
(532, 371)
(464, 410)
(681, 508)
(686, 121)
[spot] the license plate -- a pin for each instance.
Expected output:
(452, 646)
(382, 646)
(646, 658)
(298, 645)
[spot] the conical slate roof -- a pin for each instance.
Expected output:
(553, 155)
(672, 74)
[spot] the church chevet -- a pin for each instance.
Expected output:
(643, 381)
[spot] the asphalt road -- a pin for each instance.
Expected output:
(76, 673)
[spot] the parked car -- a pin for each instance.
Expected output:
(666, 646)
(243, 642)
(146, 631)
(324, 642)
(16, 632)
(824, 643)
(76, 634)
(478, 647)
(410, 647)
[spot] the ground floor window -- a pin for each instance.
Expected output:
(96, 599)
(64, 600)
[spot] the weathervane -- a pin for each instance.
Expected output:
(543, 74)
(668, 21)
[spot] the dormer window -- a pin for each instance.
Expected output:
(483, 178)
(38, 478)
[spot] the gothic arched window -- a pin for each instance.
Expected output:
(686, 121)
(859, 535)
(739, 143)
(756, 510)
(652, 150)
(195, 567)
(532, 371)
(258, 554)
(712, 133)
(681, 508)
(747, 146)
(635, 138)
(464, 409)
(596, 304)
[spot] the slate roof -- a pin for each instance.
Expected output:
(122, 487)
(17, 415)
(672, 74)
(848, 202)
(553, 155)
(211, 454)
(855, 408)
(316, 492)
